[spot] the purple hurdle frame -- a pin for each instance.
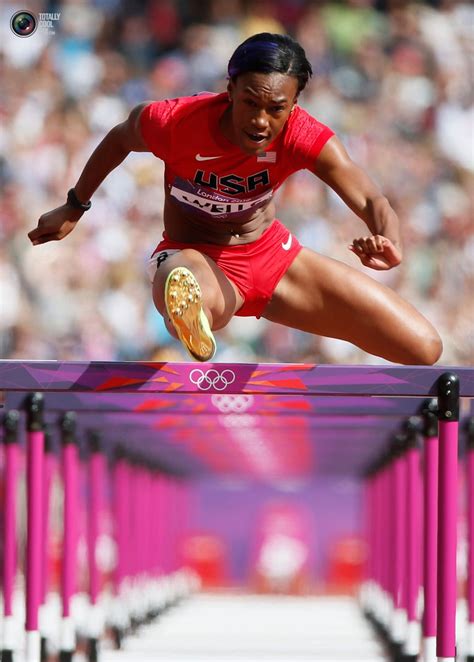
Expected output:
(34, 486)
(10, 425)
(70, 471)
(279, 380)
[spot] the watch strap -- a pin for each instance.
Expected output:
(74, 201)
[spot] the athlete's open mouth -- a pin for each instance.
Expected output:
(257, 137)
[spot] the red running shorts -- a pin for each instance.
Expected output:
(254, 268)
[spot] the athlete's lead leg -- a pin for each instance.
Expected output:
(326, 297)
(194, 296)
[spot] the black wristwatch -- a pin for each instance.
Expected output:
(74, 201)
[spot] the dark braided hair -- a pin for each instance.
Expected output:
(268, 53)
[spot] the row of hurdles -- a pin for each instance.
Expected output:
(146, 578)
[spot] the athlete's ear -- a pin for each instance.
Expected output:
(230, 86)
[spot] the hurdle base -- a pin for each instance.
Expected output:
(396, 652)
(380, 629)
(117, 636)
(92, 650)
(43, 649)
(65, 656)
(135, 624)
(6, 655)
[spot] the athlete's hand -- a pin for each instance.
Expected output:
(55, 224)
(376, 252)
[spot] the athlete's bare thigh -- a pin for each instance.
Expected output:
(221, 298)
(326, 297)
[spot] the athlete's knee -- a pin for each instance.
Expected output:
(190, 259)
(428, 349)
(433, 348)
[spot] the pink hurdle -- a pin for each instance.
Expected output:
(34, 481)
(398, 500)
(49, 471)
(470, 534)
(430, 529)
(121, 501)
(404, 536)
(396, 533)
(97, 474)
(70, 470)
(448, 416)
(10, 541)
(412, 644)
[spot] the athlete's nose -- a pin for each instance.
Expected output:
(260, 121)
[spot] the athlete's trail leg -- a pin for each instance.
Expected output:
(326, 297)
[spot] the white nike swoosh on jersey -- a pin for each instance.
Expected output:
(287, 245)
(207, 158)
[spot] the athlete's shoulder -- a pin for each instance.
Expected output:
(300, 120)
(181, 106)
(183, 116)
(305, 135)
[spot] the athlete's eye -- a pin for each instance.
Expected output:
(277, 109)
(251, 103)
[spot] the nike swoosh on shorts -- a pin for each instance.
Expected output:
(206, 158)
(287, 245)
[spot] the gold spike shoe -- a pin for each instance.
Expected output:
(183, 300)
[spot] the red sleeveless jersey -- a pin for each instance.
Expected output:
(211, 176)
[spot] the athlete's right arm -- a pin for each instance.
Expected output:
(117, 144)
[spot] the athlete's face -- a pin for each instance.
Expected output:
(261, 104)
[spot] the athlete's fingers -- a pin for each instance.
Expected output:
(37, 233)
(45, 238)
(379, 242)
(375, 243)
(370, 245)
(358, 246)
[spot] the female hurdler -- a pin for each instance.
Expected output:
(223, 252)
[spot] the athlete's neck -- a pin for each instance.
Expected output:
(226, 126)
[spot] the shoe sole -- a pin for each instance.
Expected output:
(183, 300)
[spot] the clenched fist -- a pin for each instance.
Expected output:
(55, 224)
(376, 252)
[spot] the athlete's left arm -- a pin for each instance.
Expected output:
(381, 250)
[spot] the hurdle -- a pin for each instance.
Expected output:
(97, 469)
(11, 462)
(374, 402)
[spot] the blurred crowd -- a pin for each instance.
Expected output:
(394, 80)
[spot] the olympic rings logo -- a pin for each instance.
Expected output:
(212, 379)
(232, 403)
